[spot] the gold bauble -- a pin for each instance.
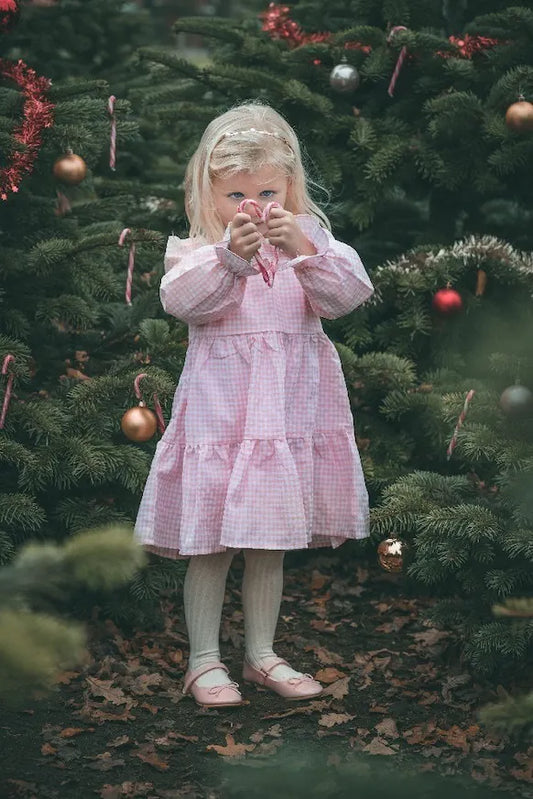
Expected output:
(70, 168)
(519, 116)
(139, 423)
(391, 554)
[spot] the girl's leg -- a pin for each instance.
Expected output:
(203, 598)
(262, 586)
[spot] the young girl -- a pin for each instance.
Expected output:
(260, 451)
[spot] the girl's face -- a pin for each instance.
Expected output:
(264, 186)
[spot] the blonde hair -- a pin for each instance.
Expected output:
(246, 138)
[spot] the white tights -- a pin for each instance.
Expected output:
(203, 597)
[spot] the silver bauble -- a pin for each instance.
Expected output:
(344, 78)
(516, 400)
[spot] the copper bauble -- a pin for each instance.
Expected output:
(447, 302)
(391, 554)
(70, 168)
(519, 116)
(516, 400)
(139, 423)
(344, 77)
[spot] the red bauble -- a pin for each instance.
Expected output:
(447, 302)
(9, 14)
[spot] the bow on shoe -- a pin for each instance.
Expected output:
(263, 263)
(217, 689)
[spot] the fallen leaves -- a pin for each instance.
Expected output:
(386, 691)
(142, 684)
(126, 790)
(71, 732)
(526, 759)
(430, 637)
(331, 719)
(110, 692)
(338, 689)
(378, 746)
(300, 709)
(388, 728)
(105, 761)
(329, 675)
(324, 626)
(324, 656)
(231, 749)
(147, 753)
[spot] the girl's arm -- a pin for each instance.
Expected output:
(334, 280)
(202, 283)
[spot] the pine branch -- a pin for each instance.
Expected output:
(214, 28)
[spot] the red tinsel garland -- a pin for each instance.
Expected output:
(37, 116)
(279, 25)
(469, 45)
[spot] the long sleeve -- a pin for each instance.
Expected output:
(202, 283)
(334, 280)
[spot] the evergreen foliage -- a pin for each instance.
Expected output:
(470, 516)
(41, 583)
(81, 39)
(434, 163)
(65, 464)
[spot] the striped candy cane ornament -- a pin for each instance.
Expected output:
(131, 262)
(113, 143)
(462, 415)
(158, 409)
(399, 62)
(267, 268)
(9, 388)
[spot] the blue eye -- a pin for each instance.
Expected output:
(238, 195)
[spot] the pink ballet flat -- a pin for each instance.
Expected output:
(293, 688)
(218, 695)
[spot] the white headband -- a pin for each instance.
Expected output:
(255, 130)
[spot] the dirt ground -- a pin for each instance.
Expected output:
(396, 693)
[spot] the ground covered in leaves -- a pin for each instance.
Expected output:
(396, 693)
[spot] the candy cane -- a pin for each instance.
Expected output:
(9, 386)
(399, 62)
(263, 215)
(113, 143)
(158, 410)
(131, 263)
(63, 203)
(459, 424)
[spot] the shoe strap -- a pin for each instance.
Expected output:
(278, 662)
(193, 676)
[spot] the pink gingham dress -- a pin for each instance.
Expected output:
(260, 449)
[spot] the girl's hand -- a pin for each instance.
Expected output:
(245, 238)
(283, 232)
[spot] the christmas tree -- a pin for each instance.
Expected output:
(417, 148)
(76, 300)
(76, 39)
